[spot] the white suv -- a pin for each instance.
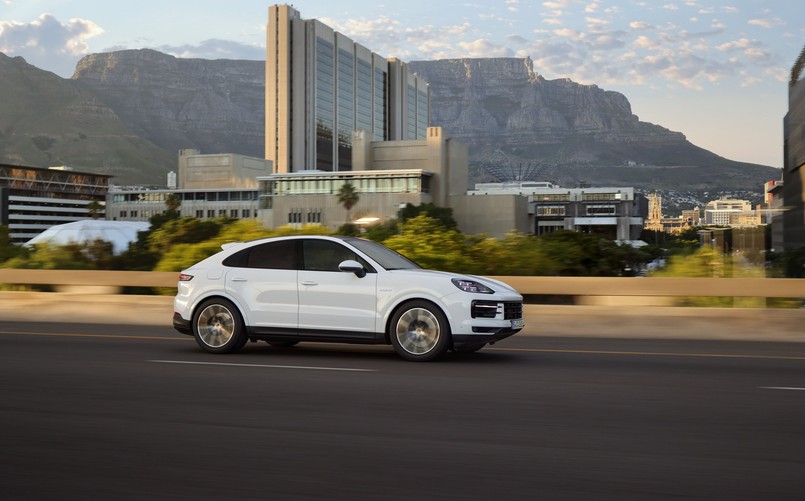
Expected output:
(317, 288)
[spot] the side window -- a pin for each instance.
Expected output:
(274, 255)
(324, 255)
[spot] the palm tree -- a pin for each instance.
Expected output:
(95, 208)
(348, 197)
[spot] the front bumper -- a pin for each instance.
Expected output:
(487, 337)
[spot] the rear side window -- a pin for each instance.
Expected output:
(273, 255)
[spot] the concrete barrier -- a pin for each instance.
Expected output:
(745, 324)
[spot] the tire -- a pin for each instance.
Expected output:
(419, 331)
(472, 348)
(218, 326)
(282, 344)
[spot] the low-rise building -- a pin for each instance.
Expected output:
(33, 199)
(617, 212)
(209, 186)
(731, 212)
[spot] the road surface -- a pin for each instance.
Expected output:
(138, 412)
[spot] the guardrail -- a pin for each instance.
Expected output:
(569, 286)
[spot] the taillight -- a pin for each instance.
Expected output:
(184, 277)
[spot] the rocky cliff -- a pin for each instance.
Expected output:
(211, 105)
(511, 116)
(127, 113)
(46, 121)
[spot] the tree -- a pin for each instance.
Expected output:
(173, 202)
(348, 197)
(444, 215)
(95, 208)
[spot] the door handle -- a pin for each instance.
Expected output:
(239, 279)
(309, 282)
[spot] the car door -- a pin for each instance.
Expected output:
(333, 302)
(263, 280)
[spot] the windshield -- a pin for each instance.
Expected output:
(385, 257)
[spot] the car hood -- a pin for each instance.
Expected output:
(416, 273)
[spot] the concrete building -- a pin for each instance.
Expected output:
(209, 186)
(794, 159)
(141, 205)
(617, 213)
(775, 205)
(33, 199)
(730, 212)
(386, 175)
(673, 225)
(219, 171)
(321, 86)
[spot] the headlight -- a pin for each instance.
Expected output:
(472, 286)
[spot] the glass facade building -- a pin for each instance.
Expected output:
(321, 87)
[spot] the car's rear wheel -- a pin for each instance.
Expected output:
(419, 331)
(218, 326)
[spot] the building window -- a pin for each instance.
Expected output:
(246, 213)
(134, 213)
(210, 212)
(551, 210)
(124, 213)
(600, 210)
(600, 196)
(233, 213)
(199, 213)
(221, 212)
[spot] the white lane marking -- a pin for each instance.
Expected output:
(264, 366)
(782, 388)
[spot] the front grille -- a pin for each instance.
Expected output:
(484, 309)
(512, 310)
(493, 309)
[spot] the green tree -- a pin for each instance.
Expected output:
(72, 256)
(442, 214)
(185, 230)
(348, 197)
(708, 262)
(95, 208)
(7, 249)
(424, 240)
(173, 202)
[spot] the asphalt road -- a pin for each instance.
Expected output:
(125, 412)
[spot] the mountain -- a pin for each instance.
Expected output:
(517, 123)
(46, 120)
(127, 113)
(216, 106)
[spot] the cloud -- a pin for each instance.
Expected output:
(766, 23)
(47, 43)
(485, 48)
(215, 49)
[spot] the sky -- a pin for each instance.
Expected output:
(717, 71)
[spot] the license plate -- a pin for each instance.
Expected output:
(518, 324)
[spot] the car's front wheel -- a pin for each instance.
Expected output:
(419, 331)
(218, 326)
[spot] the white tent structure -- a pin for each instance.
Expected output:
(119, 233)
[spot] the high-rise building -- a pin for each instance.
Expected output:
(794, 160)
(321, 87)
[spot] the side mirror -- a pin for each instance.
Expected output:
(351, 266)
